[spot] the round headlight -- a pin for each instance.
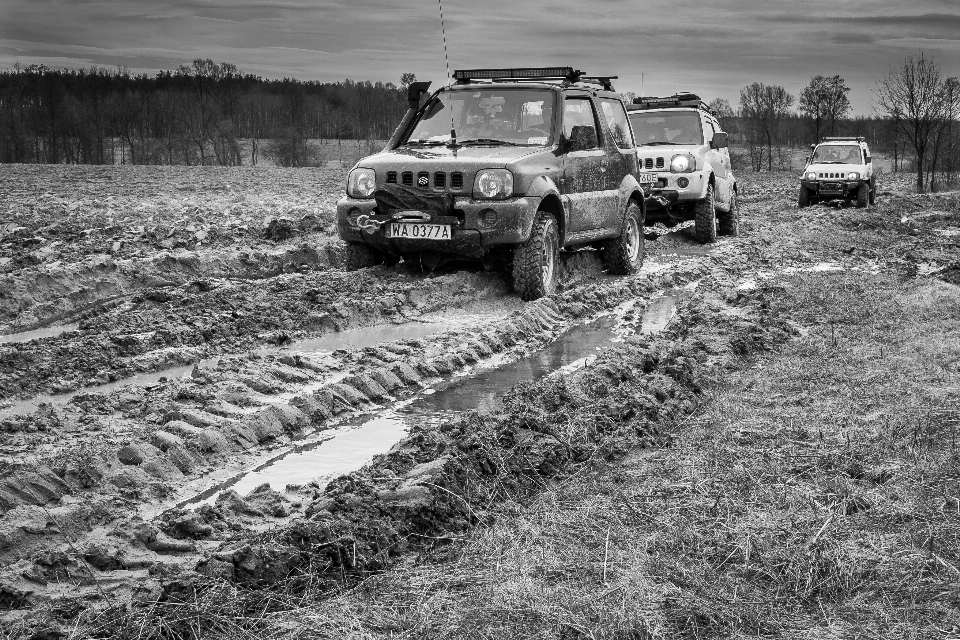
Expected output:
(493, 183)
(812, 175)
(682, 164)
(853, 175)
(361, 183)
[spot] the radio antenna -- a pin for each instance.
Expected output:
(446, 57)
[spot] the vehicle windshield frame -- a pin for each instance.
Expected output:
(644, 138)
(476, 123)
(846, 149)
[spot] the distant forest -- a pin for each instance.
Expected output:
(209, 113)
(198, 114)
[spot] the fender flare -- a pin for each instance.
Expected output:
(545, 188)
(630, 189)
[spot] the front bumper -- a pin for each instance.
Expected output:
(667, 191)
(470, 236)
(832, 188)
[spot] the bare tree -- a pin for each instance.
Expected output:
(765, 107)
(825, 99)
(912, 95)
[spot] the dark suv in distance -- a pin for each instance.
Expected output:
(509, 166)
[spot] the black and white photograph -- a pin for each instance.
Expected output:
(456, 320)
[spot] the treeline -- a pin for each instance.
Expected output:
(197, 114)
(918, 124)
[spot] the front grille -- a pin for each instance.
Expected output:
(833, 176)
(392, 177)
(648, 163)
(423, 180)
(659, 163)
(456, 180)
(408, 178)
(439, 180)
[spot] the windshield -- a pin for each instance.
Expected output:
(657, 127)
(487, 116)
(837, 154)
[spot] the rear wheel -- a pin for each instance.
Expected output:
(705, 220)
(624, 255)
(863, 195)
(728, 224)
(535, 261)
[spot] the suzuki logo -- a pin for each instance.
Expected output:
(422, 181)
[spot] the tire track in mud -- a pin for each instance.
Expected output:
(193, 426)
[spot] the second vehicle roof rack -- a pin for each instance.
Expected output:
(676, 100)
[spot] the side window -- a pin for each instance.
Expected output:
(579, 124)
(708, 130)
(616, 118)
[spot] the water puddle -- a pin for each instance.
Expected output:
(481, 389)
(37, 334)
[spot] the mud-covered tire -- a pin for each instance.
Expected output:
(705, 218)
(624, 255)
(873, 191)
(361, 256)
(728, 224)
(863, 196)
(535, 261)
(803, 200)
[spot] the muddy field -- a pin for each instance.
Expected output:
(191, 387)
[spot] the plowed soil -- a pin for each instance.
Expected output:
(197, 325)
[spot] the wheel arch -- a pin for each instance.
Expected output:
(551, 204)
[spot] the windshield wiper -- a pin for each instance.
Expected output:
(488, 141)
(830, 162)
(427, 143)
(656, 144)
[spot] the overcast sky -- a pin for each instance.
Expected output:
(711, 48)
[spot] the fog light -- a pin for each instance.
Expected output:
(682, 183)
(352, 216)
(489, 218)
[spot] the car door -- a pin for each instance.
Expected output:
(583, 184)
(622, 153)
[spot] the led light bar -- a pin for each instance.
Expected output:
(677, 100)
(551, 73)
(844, 139)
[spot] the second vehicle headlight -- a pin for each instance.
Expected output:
(812, 175)
(683, 163)
(853, 175)
(493, 184)
(361, 183)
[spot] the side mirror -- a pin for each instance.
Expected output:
(720, 140)
(565, 144)
(869, 159)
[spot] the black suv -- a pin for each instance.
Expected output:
(504, 165)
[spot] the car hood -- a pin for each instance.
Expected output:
(834, 170)
(469, 156)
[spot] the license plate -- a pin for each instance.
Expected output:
(419, 231)
(644, 178)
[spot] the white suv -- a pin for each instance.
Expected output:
(838, 168)
(680, 142)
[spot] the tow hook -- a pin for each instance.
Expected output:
(368, 225)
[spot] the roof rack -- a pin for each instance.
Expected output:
(676, 100)
(566, 75)
(844, 139)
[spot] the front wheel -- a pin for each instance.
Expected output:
(803, 200)
(705, 220)
(728, 224)
(624, 255)
(361, 256)
(863, 196)
(535, 261)
(873, 191)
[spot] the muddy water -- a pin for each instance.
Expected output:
(37, 334)
(480, 389)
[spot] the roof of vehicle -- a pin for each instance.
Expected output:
(676, 101)
(843, 140)
(536, 76)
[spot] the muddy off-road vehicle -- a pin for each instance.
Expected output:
(680, 140)
(508, 166)
(838, 168)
